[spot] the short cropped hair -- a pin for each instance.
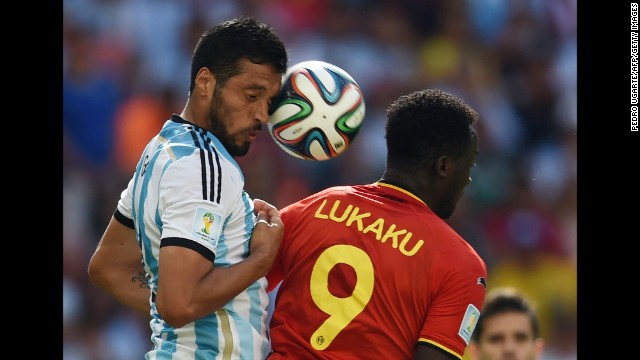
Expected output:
(505, 300)
(220, 48)
(426, 124)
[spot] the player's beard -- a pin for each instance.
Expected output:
(219, 129)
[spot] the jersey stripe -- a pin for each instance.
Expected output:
(205, 336)
(226, 332)
(203, 167)
(211, 151)
(248, 221)
(211, 177)
(168, 344)
(139, 213)
(219, 170)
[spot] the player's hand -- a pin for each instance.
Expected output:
(267, 232)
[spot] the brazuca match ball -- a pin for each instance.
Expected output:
(318, 112)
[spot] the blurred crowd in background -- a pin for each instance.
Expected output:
(126, 69)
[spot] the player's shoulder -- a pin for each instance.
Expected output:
(458, 244)
(466, 256)
(187, 165)
(186, 144)
(339, 190)
(452, 245)
(182, 135)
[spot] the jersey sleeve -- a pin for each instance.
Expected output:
(189, 217)
(124, 213)
(125, 203)
(455, 309)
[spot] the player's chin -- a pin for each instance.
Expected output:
(243, 149)
(239, 149)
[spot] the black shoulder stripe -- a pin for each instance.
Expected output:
(203, 166)
(190, 244)
(212, 183)
(123, 219)
(219, 168)
(215, 191)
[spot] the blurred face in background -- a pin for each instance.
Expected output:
(507, 336)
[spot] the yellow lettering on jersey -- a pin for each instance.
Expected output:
(332, 214)
(377, 227)
(393, 234)
(319, 214)
(355, 217)
(415, 249)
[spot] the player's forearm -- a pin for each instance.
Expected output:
(116, 266)
(229, 282)
(136, 293)
(212, 292)
(128, 286)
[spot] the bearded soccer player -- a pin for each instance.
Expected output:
(185, 223)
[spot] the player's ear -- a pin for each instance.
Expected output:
(205, 82)
(443, 166)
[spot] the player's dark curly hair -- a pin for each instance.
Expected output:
(426, 124)
(505, 300)
(220, 48)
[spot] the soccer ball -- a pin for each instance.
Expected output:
(318, 112)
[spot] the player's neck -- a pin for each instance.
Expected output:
(408, 182)
(188, 114)
(398, 179)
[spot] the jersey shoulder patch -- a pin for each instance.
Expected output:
(207, 226)
(469, 322)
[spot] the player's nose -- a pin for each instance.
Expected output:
(262, 112)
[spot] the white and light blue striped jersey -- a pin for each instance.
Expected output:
(188, 191)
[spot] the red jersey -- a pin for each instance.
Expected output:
(369, 271)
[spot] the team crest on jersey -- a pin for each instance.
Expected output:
(469, 323)
(207, 226)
